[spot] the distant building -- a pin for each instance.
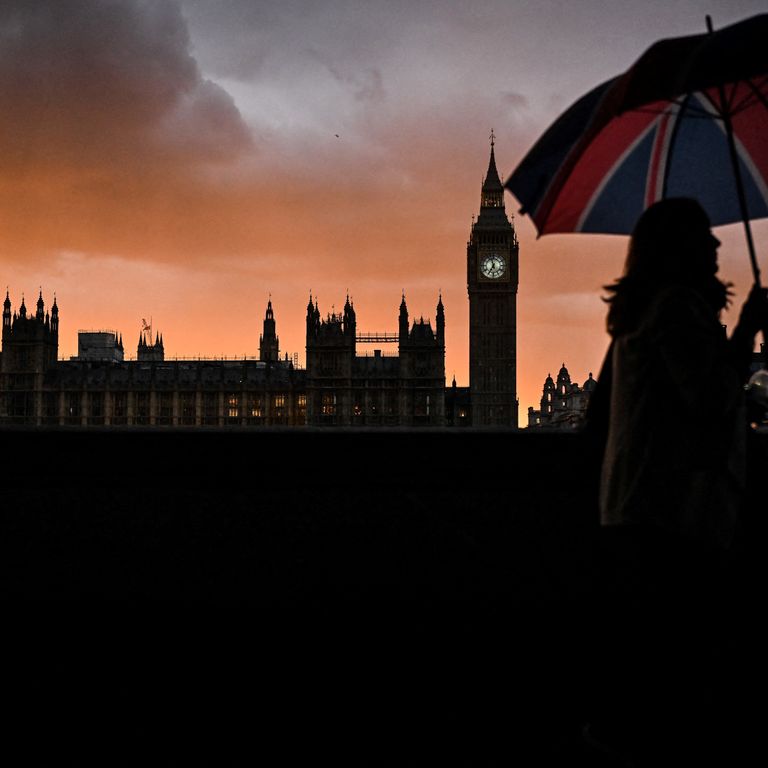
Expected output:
(563, 403)
(339, 387)
(347, 389)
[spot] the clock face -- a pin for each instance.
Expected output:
(493, 266)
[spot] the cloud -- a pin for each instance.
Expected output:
(516, 101)
(365, 83)
(104, 108)
(99, 79)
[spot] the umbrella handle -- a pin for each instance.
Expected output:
(739, 187)
(726, 115)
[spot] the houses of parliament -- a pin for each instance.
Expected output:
(338, 387)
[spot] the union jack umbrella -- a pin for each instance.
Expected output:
(688, 119)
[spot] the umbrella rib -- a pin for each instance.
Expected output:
(718, 111)
(745, 103)
(758, 94)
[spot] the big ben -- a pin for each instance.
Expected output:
(492, 277)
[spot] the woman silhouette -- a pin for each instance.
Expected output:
(675, 444)
(669, 410)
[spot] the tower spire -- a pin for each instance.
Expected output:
(493, 191)
(440, 320)
(7, 310)
(269, 349)
(403, 322)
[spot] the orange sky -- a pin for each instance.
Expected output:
(180, 160)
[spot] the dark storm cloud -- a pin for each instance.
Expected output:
(105, 83)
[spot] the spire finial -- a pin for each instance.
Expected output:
(492, 137)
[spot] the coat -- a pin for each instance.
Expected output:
(675, 450)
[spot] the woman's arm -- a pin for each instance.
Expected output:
(753, 318)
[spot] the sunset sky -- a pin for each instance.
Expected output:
(183, 159)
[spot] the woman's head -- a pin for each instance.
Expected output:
(671, 244)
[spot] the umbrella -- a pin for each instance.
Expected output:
(688, 119)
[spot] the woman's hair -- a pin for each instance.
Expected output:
(671, 244)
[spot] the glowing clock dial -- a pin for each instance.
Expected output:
(493, 266)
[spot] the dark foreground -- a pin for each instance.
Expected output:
(377, 599)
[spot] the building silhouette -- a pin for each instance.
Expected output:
(339, 387)
(269, 347)
(563, 403)
(492, 278)
(345, 389)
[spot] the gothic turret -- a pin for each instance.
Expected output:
(269, 350)
(149, 352)
(55, 316)
(313, 319)
(440, 321)
(7, 312)
(350, 319)
(403, 326)
(40, 314)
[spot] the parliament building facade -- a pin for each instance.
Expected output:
(340, 386)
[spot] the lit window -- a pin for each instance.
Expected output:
(256, 406)
(328, 407)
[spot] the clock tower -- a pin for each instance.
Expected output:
(492, 276)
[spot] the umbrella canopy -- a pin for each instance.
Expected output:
(688, 119)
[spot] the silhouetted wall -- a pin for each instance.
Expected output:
(402, 598)
(450, 513)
